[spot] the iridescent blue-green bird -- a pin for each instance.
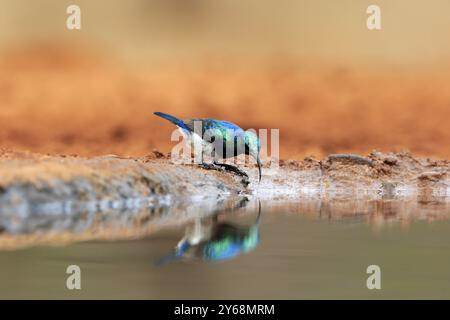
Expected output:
(217, 138)
(216, 242)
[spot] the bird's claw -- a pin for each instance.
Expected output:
(209, 166)
(229, 167)
(245, 179)
(226, 167)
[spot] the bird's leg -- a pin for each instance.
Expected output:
(226, 167)
(210, 166)
(229, 167)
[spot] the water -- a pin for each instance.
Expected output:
(296, 250)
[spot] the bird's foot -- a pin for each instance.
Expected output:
(229, 167)
(210, 166)
(226, 167)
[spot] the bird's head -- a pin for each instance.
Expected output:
(253, 147)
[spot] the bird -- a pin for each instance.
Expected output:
(209, 240)
(217, 138)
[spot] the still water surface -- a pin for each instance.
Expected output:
(287, 251)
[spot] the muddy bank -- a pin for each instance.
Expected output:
(28, 179)
(33, 183)
(377, 175)
(67, 198)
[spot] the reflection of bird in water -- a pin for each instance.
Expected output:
(210, 240)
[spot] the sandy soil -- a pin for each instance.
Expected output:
(55, 99)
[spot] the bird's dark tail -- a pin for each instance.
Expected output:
(172, 119)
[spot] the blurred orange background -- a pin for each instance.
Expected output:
(309, 68)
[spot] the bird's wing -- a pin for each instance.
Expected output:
(224, 129)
